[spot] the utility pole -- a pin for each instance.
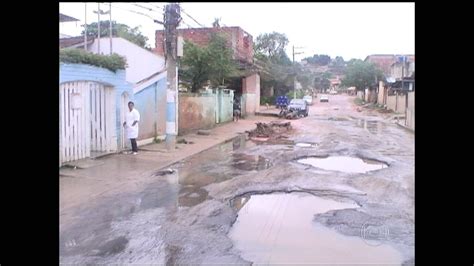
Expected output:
(110, 24)
(98, 27)
(85, 26)
(100, 12)
(294, 80)
(172, 18)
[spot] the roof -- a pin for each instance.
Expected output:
(385, 61)
(65, 18)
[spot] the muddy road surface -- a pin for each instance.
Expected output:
(339, 188)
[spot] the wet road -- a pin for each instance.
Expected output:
(192, 214)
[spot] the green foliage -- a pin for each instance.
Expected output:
(200, 64)
(221, 63)
(271, 44)
(194, 71)
(118, 30)
(361, 74)
(320, 60)
(270, 100)
(299, 94)
(278, 71)
(78, 56)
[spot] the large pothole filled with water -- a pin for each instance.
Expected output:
(279, 228)
(345, 164)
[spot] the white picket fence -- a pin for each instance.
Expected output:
(87, 119)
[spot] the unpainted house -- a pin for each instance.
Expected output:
(246, 87)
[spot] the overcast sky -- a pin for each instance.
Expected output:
(350, 30)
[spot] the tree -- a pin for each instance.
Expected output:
(320, 60)
(271, 44)
(221, 64)
(322, 82)
(212, 63)
(194, 70)
(118, 30)
(278, 71)
(361, 74)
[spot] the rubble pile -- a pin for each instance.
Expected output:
(272, 130)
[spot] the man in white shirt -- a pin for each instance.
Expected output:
(131, 126)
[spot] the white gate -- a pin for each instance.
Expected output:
(87, 119)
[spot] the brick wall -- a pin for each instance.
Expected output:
(240, 41)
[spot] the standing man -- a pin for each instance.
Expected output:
(131, 125)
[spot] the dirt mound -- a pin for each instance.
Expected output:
(270, 131)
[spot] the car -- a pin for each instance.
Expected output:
(324, 98)
(298, 106)
(333, 92)
(308, 99)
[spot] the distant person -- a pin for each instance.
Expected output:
(131, 125)
(237, 111)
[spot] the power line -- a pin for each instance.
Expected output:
(182, 10)
(159, 7)
(148, 8)
(136, 12)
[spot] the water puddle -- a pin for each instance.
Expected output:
(215, 165)
(279, 228)
(344, 164)
(305, 145)
(250, 162)
(374, 127)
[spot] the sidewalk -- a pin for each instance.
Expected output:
(120, 172)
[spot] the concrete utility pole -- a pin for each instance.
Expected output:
(294, 81)
(110, 25)
(172, 18)
(98, 27)
(100, 12)
(85, 26)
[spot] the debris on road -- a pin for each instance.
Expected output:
(204, 132)
(273, 130)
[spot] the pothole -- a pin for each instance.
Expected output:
(345, 164)
(279, 228)
(305, 144)
(374, 127)
(248, 162)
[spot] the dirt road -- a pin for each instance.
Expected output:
(232, 203)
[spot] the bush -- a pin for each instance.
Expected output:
(112, 62)
(270, 100)
(299, 94)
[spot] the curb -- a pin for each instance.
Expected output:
(406, 128)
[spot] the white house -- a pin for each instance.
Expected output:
(145, 72)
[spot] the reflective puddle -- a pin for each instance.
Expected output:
(279, 228)
(305, 144)
(343, 164)
(374, 127)
(215, 165)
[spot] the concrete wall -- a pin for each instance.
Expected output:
(204, 110)
(251, 93)
(141, 62)
(396, 103)
(226, 105)
(196, 111)
(381, 94)
(151, 103)
(82, 72)
(410, 114)
(360, 95)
